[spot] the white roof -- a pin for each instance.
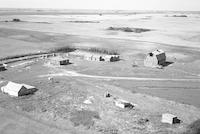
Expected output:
(167, 115)
(13, 86)
(157, 52)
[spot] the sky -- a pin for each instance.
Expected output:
(177, 5)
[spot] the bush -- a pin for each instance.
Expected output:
(63, 49)
(179, 15)
(102, 51)
(16, 20)
(127, 29)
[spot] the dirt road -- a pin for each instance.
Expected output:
(76, 74)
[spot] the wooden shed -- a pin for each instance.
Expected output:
(170, 119)
(59, 61)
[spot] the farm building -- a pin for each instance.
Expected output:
(94, 56)
(59, 61)
(15, 89)
(170, 119)
(123, 104)
(155, 58)
(2, 67)
(111, 58)
(97, 57)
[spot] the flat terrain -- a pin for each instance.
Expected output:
(57, 106)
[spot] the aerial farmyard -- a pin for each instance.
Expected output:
(99, 72)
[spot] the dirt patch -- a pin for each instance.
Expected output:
(84, 117)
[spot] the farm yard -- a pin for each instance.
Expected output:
(70, 96)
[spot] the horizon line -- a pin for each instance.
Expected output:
(152, 10)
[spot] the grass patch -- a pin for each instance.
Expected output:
(84, 117)
(128, 29)
(193, 128)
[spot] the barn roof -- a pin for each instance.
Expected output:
(13, 86)
(158, 52)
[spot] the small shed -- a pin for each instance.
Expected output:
(123, 104)
(15, 89)
(155, 58)
(2, 67)
(169, 118)
(59, 61)
(64, 62)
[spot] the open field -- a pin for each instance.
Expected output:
(57, 106)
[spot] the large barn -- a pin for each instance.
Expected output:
(155, 58)
(15, 89)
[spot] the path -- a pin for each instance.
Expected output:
(75, 74)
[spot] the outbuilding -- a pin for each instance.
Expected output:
(15, 89)
(59, 61)
(2, 67)
(90, 56)
(155, 58)
(111, 58)
(170, 118)
(123, 104)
